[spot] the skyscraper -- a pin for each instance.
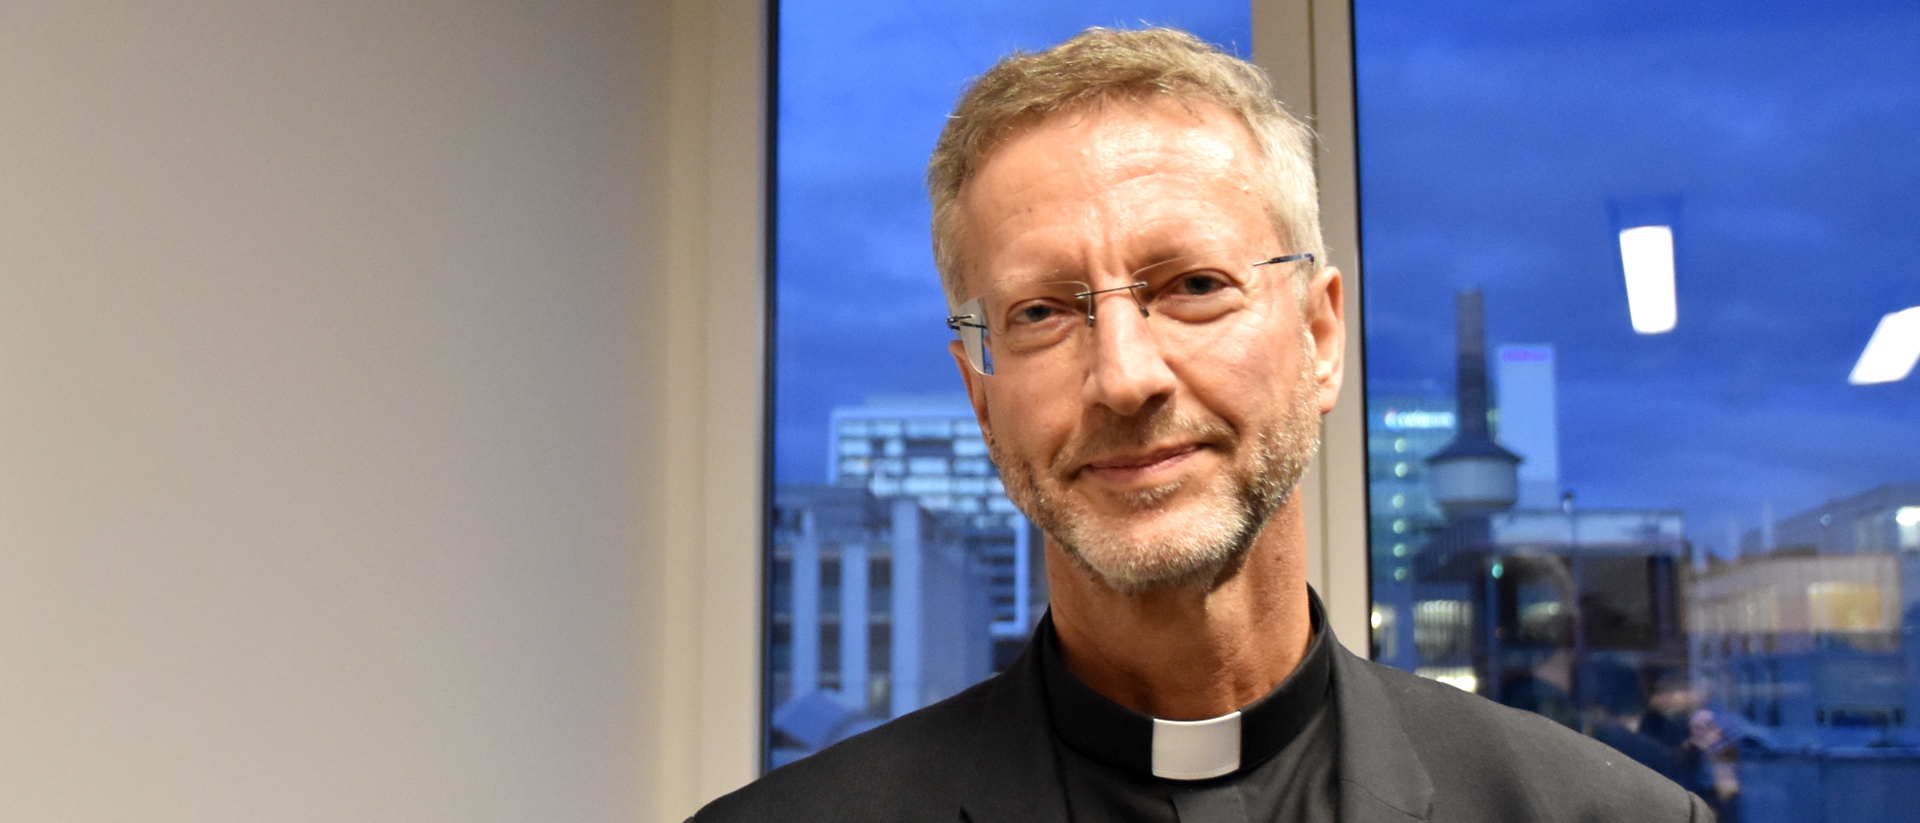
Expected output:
(1406, 423)
(1528, 420)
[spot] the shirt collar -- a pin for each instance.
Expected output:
(1142, 746)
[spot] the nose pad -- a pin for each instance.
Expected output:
(1127, 368)
(1091, 298)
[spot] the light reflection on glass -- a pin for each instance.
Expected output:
(1646, 253)
(1891, 352)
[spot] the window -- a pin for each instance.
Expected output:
(1656, 487)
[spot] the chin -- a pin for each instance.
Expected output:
(1194, 531)
(1163, 548)
(1155, 568)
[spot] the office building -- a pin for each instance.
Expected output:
(878, 608)
(1540, 594)
(929, 450)
(1406, 424)
(1883, 519)
(1527, 420)
(1807, 640)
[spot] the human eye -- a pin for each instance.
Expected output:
(1197, 294)
(1033, 319)
(1034, 313)
(1035, 322)
(1200, 284)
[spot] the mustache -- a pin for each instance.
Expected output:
(1113, 434)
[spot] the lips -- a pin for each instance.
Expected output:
(1143, 460)
(1147, 449)
(1135, 469)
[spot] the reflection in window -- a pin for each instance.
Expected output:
(1647, 491)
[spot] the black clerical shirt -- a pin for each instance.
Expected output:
(1283, 770)
(1384, 747)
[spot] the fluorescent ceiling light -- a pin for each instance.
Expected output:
(1646, 252)
(1892, 350)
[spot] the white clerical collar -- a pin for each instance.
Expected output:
(1196, 749)
(1141, 745)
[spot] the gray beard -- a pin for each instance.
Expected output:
(1239, 504)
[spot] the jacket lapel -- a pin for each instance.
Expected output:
(1012, 776)
(1381, 779)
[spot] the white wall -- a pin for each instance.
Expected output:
(324, 381)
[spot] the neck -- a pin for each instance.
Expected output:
(1189, 653)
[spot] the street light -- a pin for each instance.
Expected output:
(1579, 617)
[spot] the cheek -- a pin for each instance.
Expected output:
(1030, 422)
(1246, 375)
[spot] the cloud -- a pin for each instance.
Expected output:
(1492, 138)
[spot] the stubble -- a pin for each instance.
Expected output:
(1221, 516)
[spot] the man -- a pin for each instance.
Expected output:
(1127, 229)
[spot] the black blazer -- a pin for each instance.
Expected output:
(1411, 749)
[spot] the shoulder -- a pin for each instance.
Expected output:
(903, 770)
(1488, 761)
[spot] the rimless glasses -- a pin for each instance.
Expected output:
(1025, 327)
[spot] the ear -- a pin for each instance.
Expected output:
(976, 386)
(1325, 315)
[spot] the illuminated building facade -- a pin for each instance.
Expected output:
(929, 450)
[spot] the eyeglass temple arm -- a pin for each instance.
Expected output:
(1286, 258)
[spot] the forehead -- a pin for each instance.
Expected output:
(1111, 186)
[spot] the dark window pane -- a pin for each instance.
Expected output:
(1691, 524)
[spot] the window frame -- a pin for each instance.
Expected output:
(1306, 47)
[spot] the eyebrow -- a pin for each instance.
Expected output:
(1158, 252)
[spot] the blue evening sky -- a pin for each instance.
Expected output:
(1493, 137)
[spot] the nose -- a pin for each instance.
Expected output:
(1129, 369)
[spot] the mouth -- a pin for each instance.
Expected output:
(1136, 468)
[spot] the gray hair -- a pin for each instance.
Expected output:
(1100, 66)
